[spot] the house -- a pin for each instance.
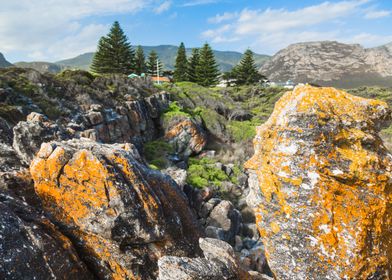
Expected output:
(226, 83)
(160, 80)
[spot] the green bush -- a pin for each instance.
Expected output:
(156, 153)
(203, 173)
(242, 130)
(175, 110)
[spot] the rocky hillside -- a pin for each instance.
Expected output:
(4, 62)
(105, 177)
(331, 63)
(42, 67)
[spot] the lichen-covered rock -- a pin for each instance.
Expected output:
(325, 206)
(121, 215)
(31, 247)
(219, 263)
(186, 136)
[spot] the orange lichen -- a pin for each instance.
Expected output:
(335, 183)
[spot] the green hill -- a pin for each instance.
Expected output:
(167, 53)
(40, 66)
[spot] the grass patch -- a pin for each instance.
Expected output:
(242, 130)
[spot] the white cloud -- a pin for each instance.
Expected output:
(272, 29)
(222, 17)
(52, 30)
(199, 2)
(163, 7)
(377, 14)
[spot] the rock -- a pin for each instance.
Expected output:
(178, 175)
(32, 247)
(329, 216)
(219, 263)
(225, 216)
(29, 135)
(121, 215)
(186, 136)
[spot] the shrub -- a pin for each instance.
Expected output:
(204, 172)
(156, 153)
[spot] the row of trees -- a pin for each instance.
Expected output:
(201, 67)
(116, 55)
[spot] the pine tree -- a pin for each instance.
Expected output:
(114, 53)
(193, 66)
(153, 59)
(246, 72)
(140, 61)
(180, 68)
(207, 70)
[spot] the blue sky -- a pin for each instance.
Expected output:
(52, 29)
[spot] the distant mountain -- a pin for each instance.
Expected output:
(167, 54)
(331, 63)
(40, 66)
(4, 62)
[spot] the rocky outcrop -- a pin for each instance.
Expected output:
(325, 178)
(186, 136)
(331, 63)
(29, 135)
(219, 262)
(136, 121)
(31, 247)
(120, 215)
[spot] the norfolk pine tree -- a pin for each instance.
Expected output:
(193, 66)
(246, 71)
(181, 65)
(140, 61)
(207, 70)
(152, 64)
(114, 53)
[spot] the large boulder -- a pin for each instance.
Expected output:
(186, 135)
(121, 215)
(31, 247)
(325, 177)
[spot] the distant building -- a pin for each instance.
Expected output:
(289, 84)
(160, 80)
(226, 83)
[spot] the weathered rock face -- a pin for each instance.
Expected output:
(331, 63)
(29, 135)
(219, 263)
(186, 135)
(121, 215)
(136, 121)
(325, 206)
(31, 247)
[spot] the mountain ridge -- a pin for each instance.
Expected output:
(330, 63)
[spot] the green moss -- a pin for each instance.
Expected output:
(156, 153)
(204, 172)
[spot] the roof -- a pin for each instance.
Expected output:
(161, 79)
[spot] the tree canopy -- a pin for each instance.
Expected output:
(152, 64)
(181, 65)
(140, 61)
(207, 71)
(114, 53)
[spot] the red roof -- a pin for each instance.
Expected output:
(161, 79)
